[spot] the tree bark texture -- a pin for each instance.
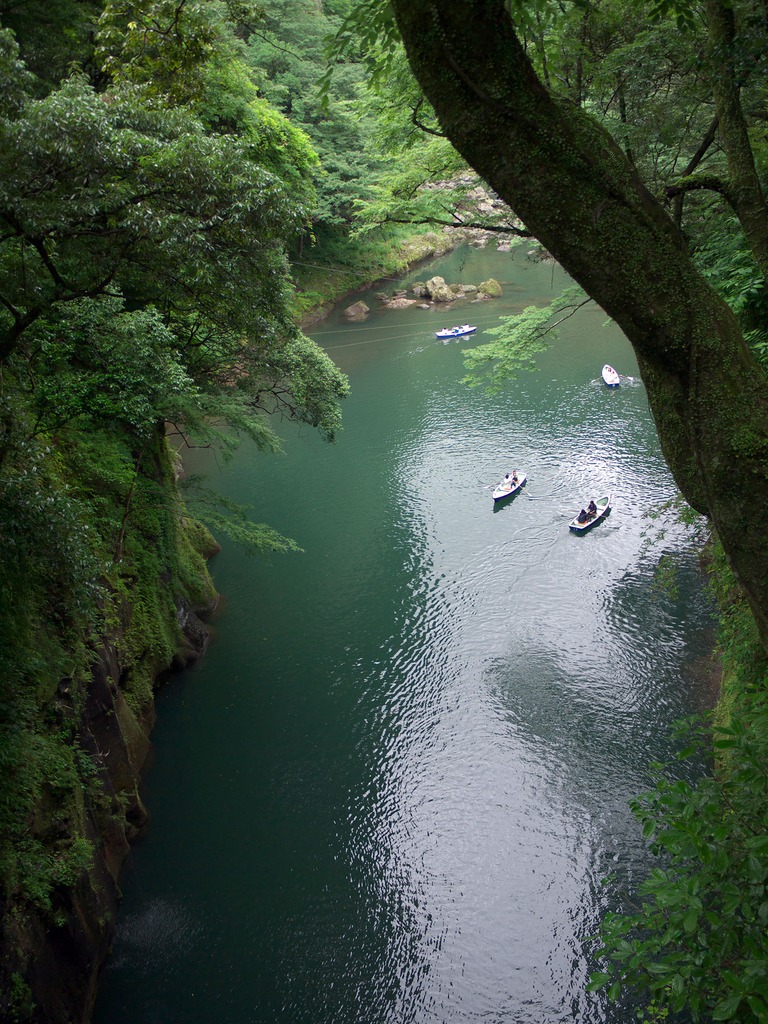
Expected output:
(577, 193)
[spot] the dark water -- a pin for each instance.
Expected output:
(391, 791)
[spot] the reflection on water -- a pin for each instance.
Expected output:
(393, 788)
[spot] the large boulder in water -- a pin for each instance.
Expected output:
(439, 290)
(357, 311)
(490, 287)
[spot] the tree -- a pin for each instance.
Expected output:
(577, 191)
(122, 192)
(52, 37)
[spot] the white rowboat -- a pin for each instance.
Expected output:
(603, 508)
(506, 488)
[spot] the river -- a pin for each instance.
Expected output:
(391, 791)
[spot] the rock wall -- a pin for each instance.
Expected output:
(54, 939)
(52, 960)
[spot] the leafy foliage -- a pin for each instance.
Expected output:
(725, 259)
(231, 519)
(698, 940)
(101, 362)
(369, 28)
(165, 46)
(518, 339)
(287, 54)
(52, 36)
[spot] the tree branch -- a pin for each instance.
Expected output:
(693, 163)
(504, 229)
(418, 123)
(698, 183)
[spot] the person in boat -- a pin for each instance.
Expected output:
(583, 516)
(515, 480)
(507, 482)
(592, 509)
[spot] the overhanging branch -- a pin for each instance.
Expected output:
(503, 229)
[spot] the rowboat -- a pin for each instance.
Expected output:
(456, 332)
(508, 486)
(603, 508)
(610, 376)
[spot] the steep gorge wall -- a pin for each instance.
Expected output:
(54, 941)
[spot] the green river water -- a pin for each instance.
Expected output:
(390, 792)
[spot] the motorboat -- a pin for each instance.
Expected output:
(456, 332)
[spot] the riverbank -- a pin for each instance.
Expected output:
(321, 287)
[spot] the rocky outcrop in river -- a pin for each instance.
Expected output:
(435, 291)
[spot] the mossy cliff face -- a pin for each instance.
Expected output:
(76, 737)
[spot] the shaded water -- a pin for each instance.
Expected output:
(393, 787)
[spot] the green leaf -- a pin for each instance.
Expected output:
(691, 921)
(598, 980)
(726, 1008)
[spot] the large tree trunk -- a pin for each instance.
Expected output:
(575, 190)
